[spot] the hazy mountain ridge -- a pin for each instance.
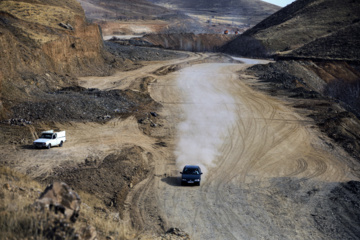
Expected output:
(177, 16)
(95, 9)
(232, 13)
(226, 7)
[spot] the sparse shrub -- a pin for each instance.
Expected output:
(347, 92)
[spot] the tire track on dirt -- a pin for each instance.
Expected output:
(266, 141)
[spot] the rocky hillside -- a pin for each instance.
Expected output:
(341, 45)
(321, 35)
(299, 24)
(135, 17)
(240, 13)
(44, 44)
(123, 10)
(165, 16)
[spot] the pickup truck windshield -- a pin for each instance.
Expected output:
(46, 135)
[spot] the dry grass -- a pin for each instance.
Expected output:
(45, 15)
(17, 194)
(107, 223)
(38, 14)
(18, 219)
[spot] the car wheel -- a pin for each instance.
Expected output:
(198, 184)
(61, 144)
(48, 146)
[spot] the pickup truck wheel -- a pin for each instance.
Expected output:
(61, 144)
(48, 146)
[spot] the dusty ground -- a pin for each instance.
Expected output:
(302, 87)
(269, 172)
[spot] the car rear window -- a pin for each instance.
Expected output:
(191, 171)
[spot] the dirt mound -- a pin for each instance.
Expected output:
(80, 104)
(109, 179)
(126, 50)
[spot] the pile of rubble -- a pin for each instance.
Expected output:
(17, 122)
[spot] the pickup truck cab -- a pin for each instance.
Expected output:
(50, 139)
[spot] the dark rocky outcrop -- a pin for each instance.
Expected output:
(185, 41)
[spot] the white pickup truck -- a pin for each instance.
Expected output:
(49, 139)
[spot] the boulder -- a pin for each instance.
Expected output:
(59, 197)
(88, 233)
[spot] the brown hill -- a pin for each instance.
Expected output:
(164, 16)
(123, 10)
(298, 24)
(135, 17)
(240, 13)
(44, 43)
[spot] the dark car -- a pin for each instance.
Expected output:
(191, 175)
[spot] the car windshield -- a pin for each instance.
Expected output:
(46, 135)
(191, 171)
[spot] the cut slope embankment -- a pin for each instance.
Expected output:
(45, 45)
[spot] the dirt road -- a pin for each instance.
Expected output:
(259, 158)
(267, 172)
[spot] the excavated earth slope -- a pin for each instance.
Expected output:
(181, 41)
(44, 45)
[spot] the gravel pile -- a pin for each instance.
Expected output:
(80, 104)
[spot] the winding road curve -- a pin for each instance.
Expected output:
(259, 143)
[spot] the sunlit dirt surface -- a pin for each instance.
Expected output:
(267, 174)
